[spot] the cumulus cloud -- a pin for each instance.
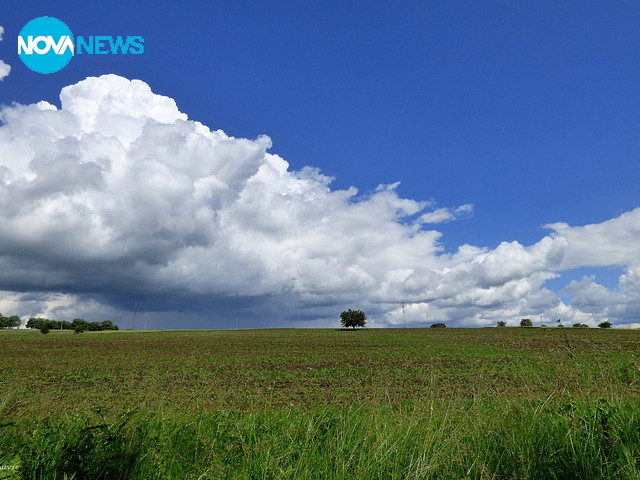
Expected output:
(117, 198)
(446, 214)
(4, 68)
(622, 305)
(614, 242)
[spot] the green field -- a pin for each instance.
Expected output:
(503, 403)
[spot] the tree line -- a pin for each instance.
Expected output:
(9, 322)
(526, 322)
(78, 325)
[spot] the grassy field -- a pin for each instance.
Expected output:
(503, 403)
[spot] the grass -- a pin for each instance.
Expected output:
(506, 403)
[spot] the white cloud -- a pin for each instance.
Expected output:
(614, 242)
(446, 214)
(118, 198)
(4, 68)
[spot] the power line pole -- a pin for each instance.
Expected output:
(404, 322)
(135, 312)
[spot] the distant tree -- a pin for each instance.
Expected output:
(525, 322)
(438, 325)
(353, 319)
(108, 325)
(79, 323)
(580, 325)
(52, 324)
(605, 324)
(93, 326)
(502, 324)
(10, 322)
(35, 323)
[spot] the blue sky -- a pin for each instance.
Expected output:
(529, 111)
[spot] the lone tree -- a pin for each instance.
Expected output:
(525, 322)
(438, 325)
(605, 325)
(502, 323)
(353, 318)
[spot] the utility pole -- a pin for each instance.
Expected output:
(135, 312)
(404, 322)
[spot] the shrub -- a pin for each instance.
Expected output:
(438, 325)
(525, 322)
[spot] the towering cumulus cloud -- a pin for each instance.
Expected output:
(117, 198)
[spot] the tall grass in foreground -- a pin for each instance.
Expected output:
(458, 440)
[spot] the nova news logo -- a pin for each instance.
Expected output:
(46, 45)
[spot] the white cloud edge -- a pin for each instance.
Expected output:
(4, 68)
